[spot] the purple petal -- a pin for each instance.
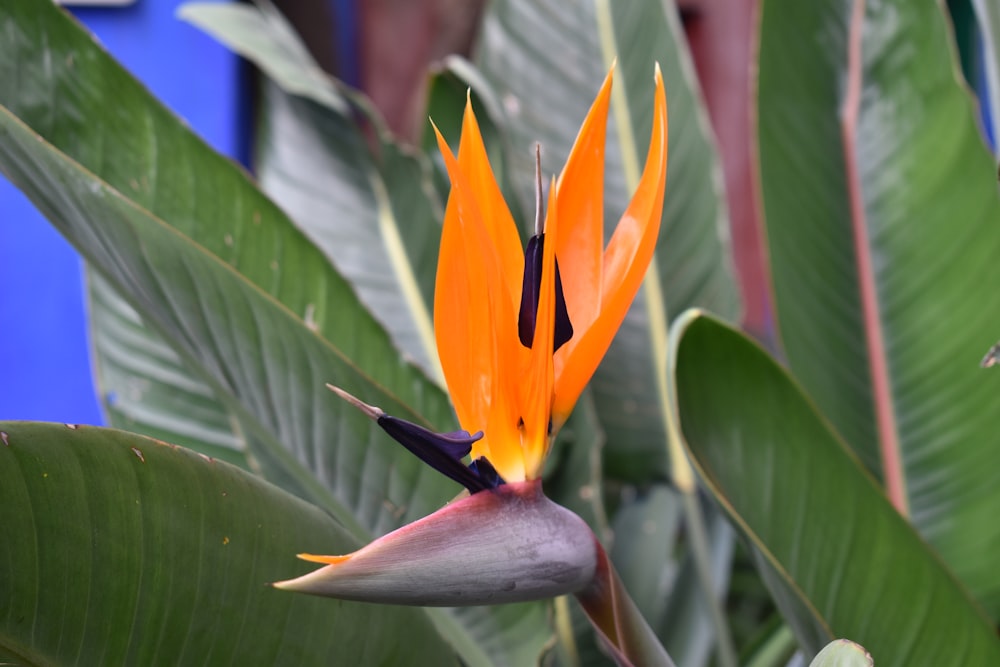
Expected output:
(442, 451)
(531, 287)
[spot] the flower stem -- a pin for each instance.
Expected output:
(624, 633)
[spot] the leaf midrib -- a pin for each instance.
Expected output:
(878, 365)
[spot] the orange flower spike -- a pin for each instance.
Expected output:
(496, 216)
(466, 360)
(624, 265)
(474, 315)
(580, 193)
(516, 363)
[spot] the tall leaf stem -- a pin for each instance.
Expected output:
(564, 631)
(885, 415)
(396, 250)
(680, 469)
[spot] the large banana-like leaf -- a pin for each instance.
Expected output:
(145, 387)
(116, 549)
(253, 352)
(546, 61)
(216, 268)
(838, 559)
(883, 224)
(380, 225)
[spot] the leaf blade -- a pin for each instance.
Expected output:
(925, 203)
(838, 559)
(313, 159)
(121, 549)
(215, 275)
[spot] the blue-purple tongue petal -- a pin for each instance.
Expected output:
(444, 452)
(486, 472)
(531, 288)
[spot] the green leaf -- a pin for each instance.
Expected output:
(260, 357)
(685, 622)
(447, 92)
(576, 643)
(774, 647)
(260, 33)
(838, 559)
(650, 530)
(118, 549)
(376, 218)
(883, 225)
(573, 476)
(144, 386)
(218, 270)
(545, 63)
(647, 530)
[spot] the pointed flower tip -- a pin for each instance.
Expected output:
(442, 144)
(294, 584)
(326, 560)
(370, 410)
(511, 544)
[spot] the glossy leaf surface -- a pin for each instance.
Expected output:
(145, 387)
(119, 549)
(838, 559)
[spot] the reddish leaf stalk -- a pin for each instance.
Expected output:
(885, 416)
(623, 632)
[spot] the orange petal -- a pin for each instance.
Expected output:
(465, 358)
(536, 401)
(499, 222)
(505, 256)
(475, 326)
(625, 262)
(581, 204)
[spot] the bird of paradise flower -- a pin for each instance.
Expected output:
(519, 333)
